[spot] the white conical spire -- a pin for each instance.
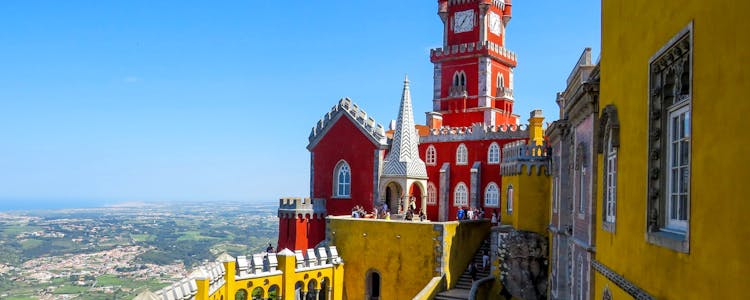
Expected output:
(403, 158)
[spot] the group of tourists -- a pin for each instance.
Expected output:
(358, 212)
(476, 214)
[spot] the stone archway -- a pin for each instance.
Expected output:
(417, 193)
(392, 196)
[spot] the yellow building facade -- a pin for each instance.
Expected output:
(670, 194)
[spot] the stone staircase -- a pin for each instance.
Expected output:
(462, 288)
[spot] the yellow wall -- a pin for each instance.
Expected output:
(404, 253)
(285, 282)
(531, 194)
(717, 265)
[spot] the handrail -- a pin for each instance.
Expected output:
(475, 286)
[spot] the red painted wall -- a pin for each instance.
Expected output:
(477, 151)
(344, 141)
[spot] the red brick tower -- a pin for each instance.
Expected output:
(473, 69)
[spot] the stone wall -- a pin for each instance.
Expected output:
(523, 263)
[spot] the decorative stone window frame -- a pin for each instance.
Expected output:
(342, 167)
(431, 194)
(609, 143)
(500, 81)
(460, 195)
(580, 290)
(462, 155)
(670, 90)
(492, 192)
(493, 154)
(581, 186)
(430, 156)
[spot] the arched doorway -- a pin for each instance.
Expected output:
(312, 290)
(324, 287)
(416, 192)
(299, 294)
(373, 285)
(393, 193)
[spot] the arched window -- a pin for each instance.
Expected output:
(500, 81)
(460, 195)
(610, 141)
(431, 194)
(241, 294)
(463, 79)
(491, 195)
(462, 155)
(342, 180)
(493, 154)
(431, 156)
(509, 199)
(258, 293)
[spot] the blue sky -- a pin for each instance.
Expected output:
(189, 101)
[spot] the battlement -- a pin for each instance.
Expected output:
(476, 132)
(375, 130)
(485, 47)
(291, 207)
(496, 3)
(250, 269)
(519, 154)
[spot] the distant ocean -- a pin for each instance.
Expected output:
(35, 204)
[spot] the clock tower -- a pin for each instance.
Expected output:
(473, 69)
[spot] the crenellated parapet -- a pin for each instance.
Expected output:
(375, 131)
(475, 133)
(224, 277)
(486, 47)
(517, 155)
(496, 3)
(290, 208)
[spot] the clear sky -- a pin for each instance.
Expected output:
(214, 100)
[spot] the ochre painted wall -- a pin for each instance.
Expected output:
(531, 194)
(716, 266)
(404, 253)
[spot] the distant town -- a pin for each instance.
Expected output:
(115, 252)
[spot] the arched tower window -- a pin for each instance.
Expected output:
(491, 195)
(342, 180)
(460, 195)
(462, 155)
(493, 154)
(431, 156)
(500, 81)
(431, 194)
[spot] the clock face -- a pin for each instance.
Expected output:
(463, 21)
(495, 25)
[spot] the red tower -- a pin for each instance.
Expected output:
(473, 69)
(301, 223)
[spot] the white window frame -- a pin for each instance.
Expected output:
(431, 194)
(610, 181)
(342, 187)
(509, 199)
(461, 195)
(492, 195)
(493, 154)
(430, 156)
(680, 189)
(462, 155)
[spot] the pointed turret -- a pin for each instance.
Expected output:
(403, 157)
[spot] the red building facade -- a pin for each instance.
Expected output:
(455, 163)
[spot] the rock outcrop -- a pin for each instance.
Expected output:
(523, 264)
